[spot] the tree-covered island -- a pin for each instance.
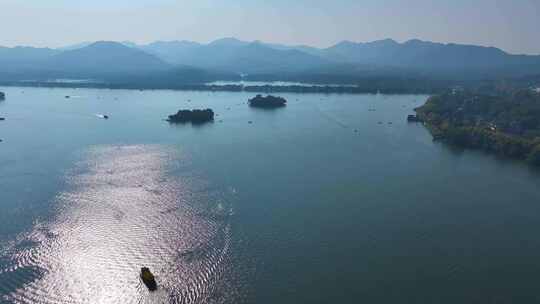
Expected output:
(268, 102)
(193, 116)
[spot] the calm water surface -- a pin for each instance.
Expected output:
(333, 199)
(276, 84)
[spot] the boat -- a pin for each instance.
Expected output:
(413, 118)
(148, 279)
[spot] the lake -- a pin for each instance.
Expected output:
(332, 199)
(276, 84)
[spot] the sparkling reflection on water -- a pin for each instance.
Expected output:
(122, 211)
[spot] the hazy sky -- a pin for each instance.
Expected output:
(513, 25)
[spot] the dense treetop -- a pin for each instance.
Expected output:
(507, 123)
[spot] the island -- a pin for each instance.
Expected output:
(506, 123)
(2, 96)
(193, 116)
(268, 102)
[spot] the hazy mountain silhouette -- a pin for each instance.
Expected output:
(254, 57)
(105, 58)
(112, 62)
(171, 51)
(425, 55)
(75, 46)
(228, 42)
(228, 56)
(24, 57)
(259, 58)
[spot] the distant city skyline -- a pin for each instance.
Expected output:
(509, 25)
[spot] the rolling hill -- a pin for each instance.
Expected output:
(104, 58)
(344, 62)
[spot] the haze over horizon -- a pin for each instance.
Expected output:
(58, 23)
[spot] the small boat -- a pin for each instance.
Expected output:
(148, 279)
(413, 118)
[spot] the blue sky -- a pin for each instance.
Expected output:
(512, 25)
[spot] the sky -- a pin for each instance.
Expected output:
(512, 25)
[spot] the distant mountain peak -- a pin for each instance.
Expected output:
(233, 55)
(105, 57)
(415, 40)
(228, 41)
(106, 44)
(130, 44)
(345, 43)
(348, 43)
(99, 44)
(386, 41)
(257, 43)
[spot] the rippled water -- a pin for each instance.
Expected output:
(333, 199)
(121, 211)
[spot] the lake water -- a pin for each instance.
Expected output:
(276, 84)
(333, 199)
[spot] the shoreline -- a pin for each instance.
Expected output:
(224, 88)
(443, 117)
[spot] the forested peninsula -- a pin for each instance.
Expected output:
(506, 123)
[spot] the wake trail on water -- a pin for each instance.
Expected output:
(121, 211)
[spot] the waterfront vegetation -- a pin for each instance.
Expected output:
(506, 123)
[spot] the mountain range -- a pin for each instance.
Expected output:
(228, 58)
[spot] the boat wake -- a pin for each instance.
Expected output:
(121, 211)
